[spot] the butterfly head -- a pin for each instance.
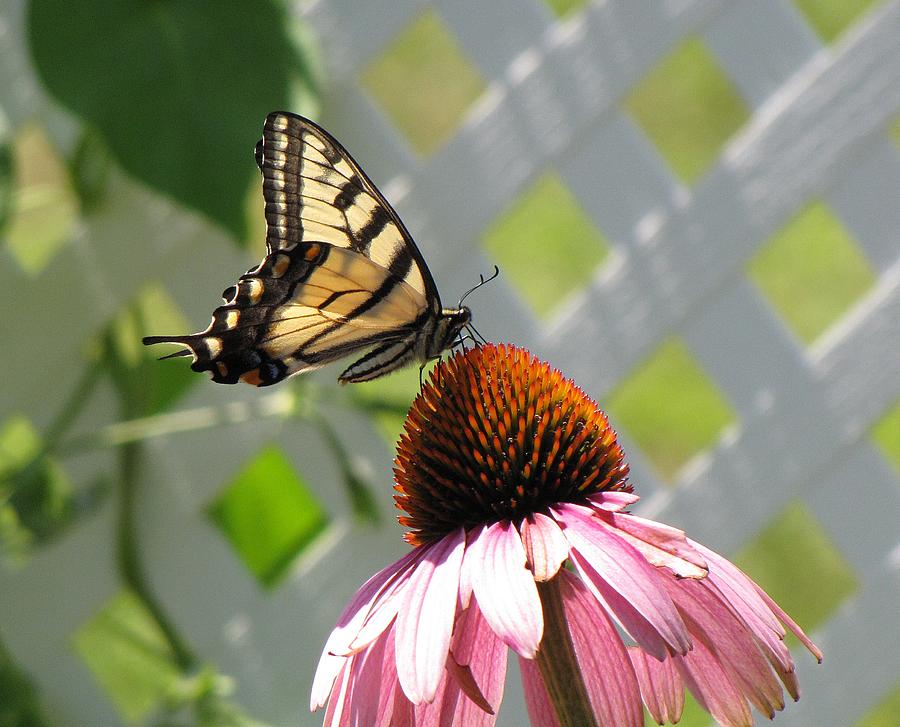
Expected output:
(449, 325)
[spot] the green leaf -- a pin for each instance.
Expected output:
(146, 386)
(6, 180)
(179, 90)
(89, 168)
(19, 704)
(269, 515)
(128, 655)
(35, 494)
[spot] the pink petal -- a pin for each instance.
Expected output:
(615, 566)
(379, 587)
(712, 688)
(613, 500)
(505, 589)
(790, 623)
(605, 668)
(661, 686)
(425, 618)
(334, 714)
(470, 561)
(477, 662)
(663, 546)
(546, 548)
(748, 598)
(404, 712)
(372, 681)
(540, 709)
(476, 645)
(626, 615)
(739, 591)
(734, 646)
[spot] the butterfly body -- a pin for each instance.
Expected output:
(342, 275)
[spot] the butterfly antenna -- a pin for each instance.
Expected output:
(476, 337)
(481, 281)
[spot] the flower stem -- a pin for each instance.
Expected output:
(558, 664)
(129, 561)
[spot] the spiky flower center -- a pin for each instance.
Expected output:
(496, 434)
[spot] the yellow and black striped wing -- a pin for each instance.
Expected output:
(341, 275)
(316, 192)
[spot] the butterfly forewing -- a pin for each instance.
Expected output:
(315, 191)
(342, 274)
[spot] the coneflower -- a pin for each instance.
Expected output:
(516, 499)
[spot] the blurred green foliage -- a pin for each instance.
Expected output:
(176, 89)
(886, 434)
(830, 18)
(19, 702)
(145, 386)
(885, 713)
(7, 182)
(35, 494)
(670, 407)
(43, 204)
(424, 82)
(688, 107)
(546, 231)
(128, 655)
(268, 514)
(562, 8)
(811, 271)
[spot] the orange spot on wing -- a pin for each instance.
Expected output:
(252, 378)
(312, 252)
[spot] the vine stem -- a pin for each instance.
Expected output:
(129, 561)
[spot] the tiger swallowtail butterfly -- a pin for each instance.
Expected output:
(341, 275)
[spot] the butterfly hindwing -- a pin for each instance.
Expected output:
(342, 274)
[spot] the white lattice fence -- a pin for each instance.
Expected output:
(818, 130)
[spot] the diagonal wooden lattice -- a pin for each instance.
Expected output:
(818, 131)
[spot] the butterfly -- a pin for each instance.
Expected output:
(342, 275)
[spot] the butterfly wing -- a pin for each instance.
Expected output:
(342, 274)
(315, 191)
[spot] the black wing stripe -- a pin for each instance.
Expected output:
(360, 372)
(373, 228)
(400, 268)
(322, 162)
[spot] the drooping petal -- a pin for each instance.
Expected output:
(738, 591)
(404, 711)
(546, 548)
(338, 697)
(743, 594)
(736, 650)
(504, 588)
(613, 500)
(712, 688)
(790, 623)
(477, 661)
(617, 566)
(662, 545)
(605, 667)
(425, 618)
(471, 560)
(476, 645)
(661, 686)
(537, 701)
(369, 681)
(380, 586)
(625, 614)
